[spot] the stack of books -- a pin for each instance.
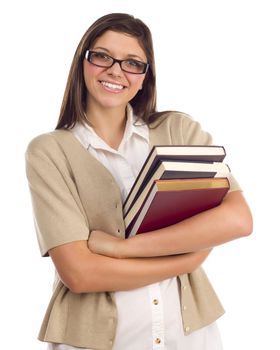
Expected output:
(175, 183)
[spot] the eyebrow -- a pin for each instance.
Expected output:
(129, 55)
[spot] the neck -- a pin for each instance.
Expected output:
(109, 124)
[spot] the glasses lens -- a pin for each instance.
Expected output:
(101, 59)
(133, 66)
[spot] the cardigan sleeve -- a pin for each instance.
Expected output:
(192, 133)
(58, 214)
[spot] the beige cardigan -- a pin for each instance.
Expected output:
(72, 194)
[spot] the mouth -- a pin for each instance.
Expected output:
(112, 86)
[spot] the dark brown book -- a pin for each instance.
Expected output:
(171, 201)
(159, 154)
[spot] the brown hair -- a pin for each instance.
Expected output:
(74, 100)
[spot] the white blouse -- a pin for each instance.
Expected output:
(149, 318)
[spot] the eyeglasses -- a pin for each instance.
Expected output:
(101, 59)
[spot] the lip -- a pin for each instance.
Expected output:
(111, 89)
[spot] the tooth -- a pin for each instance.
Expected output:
(112, 86)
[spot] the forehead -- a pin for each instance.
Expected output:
(119, 43)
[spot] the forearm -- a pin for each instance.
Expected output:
(125, 274)
(87, 272)
(230, 220)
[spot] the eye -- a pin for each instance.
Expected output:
(100, 56)
(134, 63)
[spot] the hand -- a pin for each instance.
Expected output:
(103, 243)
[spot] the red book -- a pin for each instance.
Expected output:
(171, 201)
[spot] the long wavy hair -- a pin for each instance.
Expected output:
(74, 99)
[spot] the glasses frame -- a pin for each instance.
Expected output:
(114, 60)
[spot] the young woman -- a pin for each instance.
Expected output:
(110, 293)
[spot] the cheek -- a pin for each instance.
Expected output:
(137, 81)
(91, 71)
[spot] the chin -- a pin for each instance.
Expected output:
(113, 103)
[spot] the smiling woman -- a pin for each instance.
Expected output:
(148, 293)
(131, 31)
(110, 86)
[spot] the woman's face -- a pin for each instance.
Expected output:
(112, 87)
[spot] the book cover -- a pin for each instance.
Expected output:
(171, 201)
(182, 153)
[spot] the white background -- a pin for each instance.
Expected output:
(216, 60)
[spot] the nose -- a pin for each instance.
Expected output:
(115, 69)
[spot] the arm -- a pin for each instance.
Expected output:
(228, 221)
(82, 271)
(62, 231)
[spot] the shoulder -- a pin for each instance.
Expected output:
(181, 128)
(48, 142)
(50, 149)
(167, 118)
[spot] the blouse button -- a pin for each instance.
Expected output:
(157, 341)
(155, 301)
